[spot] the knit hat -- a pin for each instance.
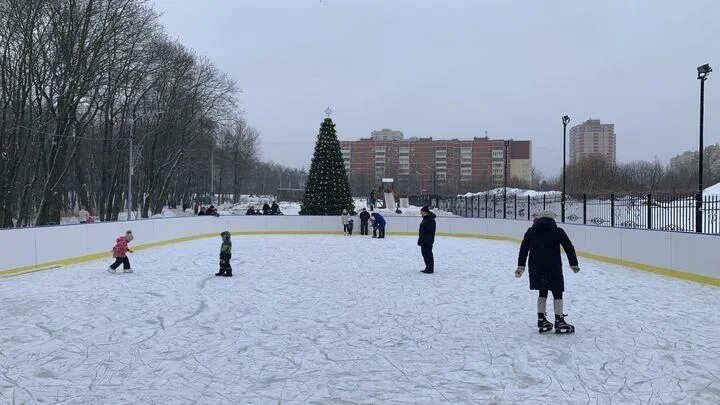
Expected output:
(545, 214)
(425, 209)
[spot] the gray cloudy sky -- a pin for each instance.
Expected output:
(459, 68)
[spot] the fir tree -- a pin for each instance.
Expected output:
(327, 191)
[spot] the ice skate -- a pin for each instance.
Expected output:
(561, 326)
(228, 273)
(220, 273)
(111, 270)
(543, 324)
(127, 270)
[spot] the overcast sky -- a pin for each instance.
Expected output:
(455, 69)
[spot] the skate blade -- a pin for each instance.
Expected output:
(558, 331)
(544, 330)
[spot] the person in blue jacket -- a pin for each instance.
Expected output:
(378, 226)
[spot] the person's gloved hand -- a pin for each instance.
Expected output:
(519, 272)
(576, 269)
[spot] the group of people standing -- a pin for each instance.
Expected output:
(366, 219)
(267, 209)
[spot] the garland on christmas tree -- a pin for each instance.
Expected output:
(327, 191)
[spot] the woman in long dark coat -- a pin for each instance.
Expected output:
(542, 242)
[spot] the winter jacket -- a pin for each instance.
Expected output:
(266, 209)
(83, 216)
(542, 241)
(275, 209)
(121, 247)
(226, 247)
(345, 219)
(426, 235)
(364, 216)
(379, 220)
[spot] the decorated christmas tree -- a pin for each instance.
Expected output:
(327, 191)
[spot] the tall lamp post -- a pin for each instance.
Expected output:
(703, 71)
(505, 173)
(565, 121)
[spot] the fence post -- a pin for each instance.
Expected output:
(584, 209)
(528, 207)
(494, 206)
(486, 205)
(465, 200)
(544, 208)
(612, 209)
(649, 211)
(515, 206)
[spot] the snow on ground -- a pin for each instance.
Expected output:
(712, 191)
(513, 191)
(333, 319)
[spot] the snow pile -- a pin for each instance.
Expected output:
(712, 191)
(513, 191)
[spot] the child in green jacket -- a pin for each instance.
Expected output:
(225, 255)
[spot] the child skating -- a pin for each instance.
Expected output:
(350, 226)
(120, 251)
(542, 241)
(225, 255)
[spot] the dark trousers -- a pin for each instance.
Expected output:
(363, 227)
(428, 257)
(345, 228)
(379, 231)
(121, 260)
(225, 267)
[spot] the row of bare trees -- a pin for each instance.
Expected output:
(594, 176)
(78, 80)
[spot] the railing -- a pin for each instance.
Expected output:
(677, 213)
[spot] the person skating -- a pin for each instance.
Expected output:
(350, 226)
(542, 242)
(426, 239)
(378, 226)
(364, 218)
(345, 218)
(120, 251)
(225, 255)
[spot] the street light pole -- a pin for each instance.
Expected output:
(565, 121)
(505, 172)
(703, 71)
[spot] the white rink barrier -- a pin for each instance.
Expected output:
(684, 255)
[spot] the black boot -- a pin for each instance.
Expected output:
(228, 273)
(543, 324)
(561, 326)
(220, 273)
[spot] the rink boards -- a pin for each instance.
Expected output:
(684, 255)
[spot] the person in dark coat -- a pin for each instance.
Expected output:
(364, 218)
(542, 242)
(202, 211)
(266, 209)
(250, 211)
(426, 238)
(378, 226)
(275, 209)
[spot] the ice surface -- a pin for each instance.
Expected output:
(334, 319)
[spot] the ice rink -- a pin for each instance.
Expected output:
(333, 319)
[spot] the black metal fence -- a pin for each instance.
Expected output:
(659, 212)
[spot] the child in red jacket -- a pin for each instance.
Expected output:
(120, 253)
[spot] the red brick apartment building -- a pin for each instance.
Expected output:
(432, 166)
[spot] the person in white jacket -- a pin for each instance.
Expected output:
(83, 215)
(345, 221)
